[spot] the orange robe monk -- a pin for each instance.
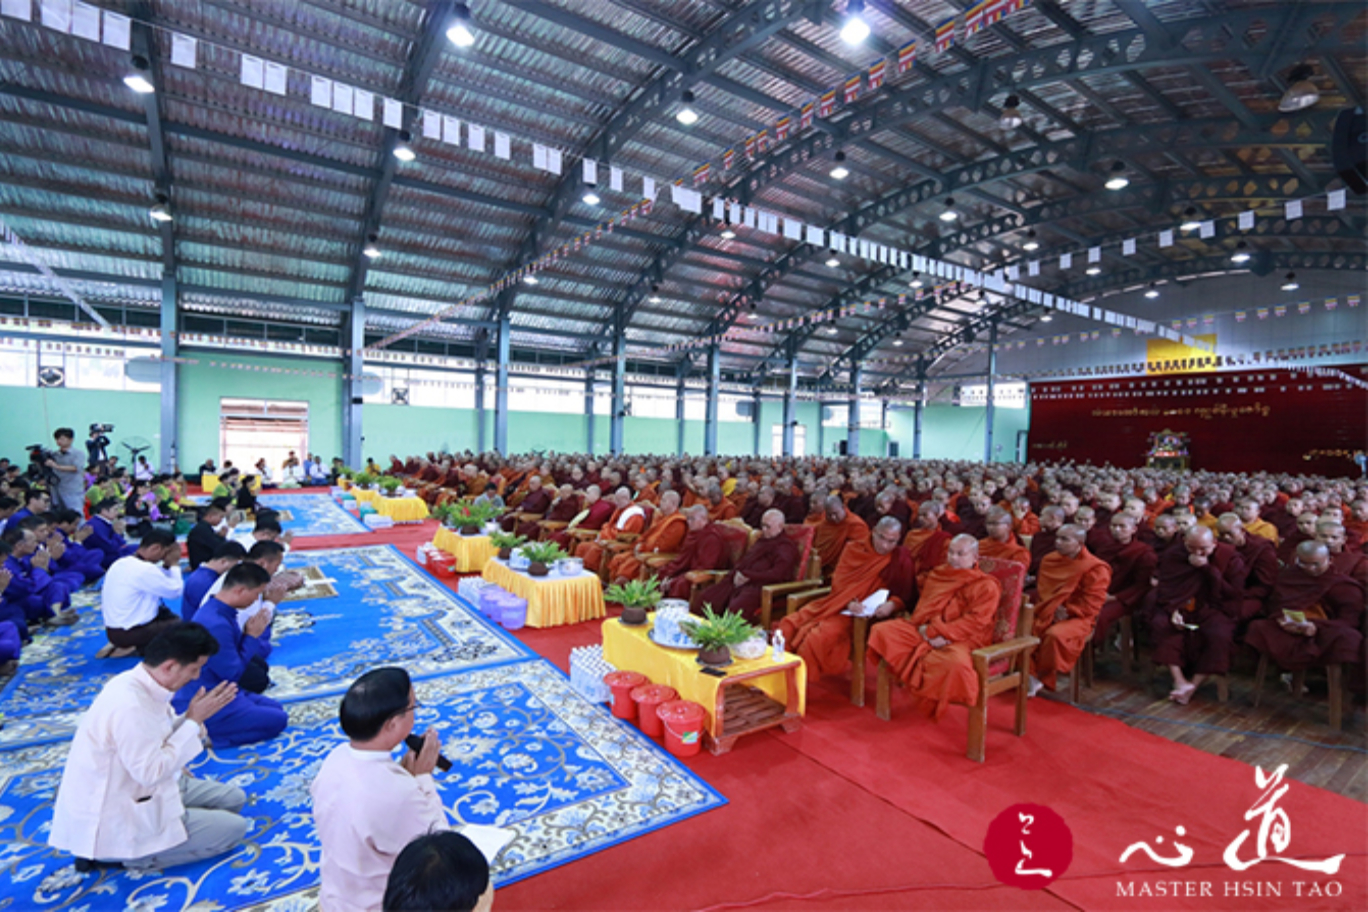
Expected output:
(830, 539)
(927, 548)
(666, 536)
(1011, 550)
(1264, 529)
(1026, 524)
(722, 511)
(628, 520)
(955, 605)
(1075, 587)
(819, 632)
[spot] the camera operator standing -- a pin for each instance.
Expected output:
(69, 469)
(96, 444)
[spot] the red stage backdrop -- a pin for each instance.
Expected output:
(1245, 421)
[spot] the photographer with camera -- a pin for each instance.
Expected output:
(96, 444)
(68, 472)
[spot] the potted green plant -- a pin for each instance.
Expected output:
(390, 485)
(715, 634)
(541, 555)
(364, 480)
(470, 518)
(506, 542)
(636, 598)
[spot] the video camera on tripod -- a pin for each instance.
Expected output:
(38, 469)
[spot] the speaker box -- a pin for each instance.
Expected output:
(1347, 150)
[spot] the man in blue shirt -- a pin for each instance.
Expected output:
(77, 558)
(249, 717)
(199, 582)
(33, 594)
(105, 537)
(35, 501)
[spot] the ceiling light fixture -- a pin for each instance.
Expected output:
(1046, 319)
(855, 30)
(160, 212)
(1093, 270)
(139, 80)
(372, 249)
(1301, 91)
(1118, 179)
(949, 215)
(460, 34)
(1190, 222)
(840, 172)
(402, 150)
(832, 262)
(531, 279)
(1241, 254)
(916, 280)
(1152, 292)
(590, 197)
(727, 233)
(1031, 243)
(1011, 117)
(686, 114)
(831, 330)
(1290, 282)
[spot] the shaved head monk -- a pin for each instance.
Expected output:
(1353, 564)
(594, 512)
(930, 652)
(1001, 542)
(665, 536)
(820, 632)
(1260, 560)
(627, 519)
(704, 549)
(1247, 509)
(838, 528)
(1043, 542)
(535, 502)
(1314, 614)
(927, 542)
(1072, 587)
(719, 508)
(1196, 602)
(772, 559)
(1132, 564)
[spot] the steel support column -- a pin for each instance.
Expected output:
(589, 411)
(710, 416)
(619, 387)
(992, 371)
(755, 423)
(167, 451)
(917, 409)
(683, 372)
(883, 423)
(853, 412)
(480, 406)
(501, 390)
(791, 405)
(351, 387)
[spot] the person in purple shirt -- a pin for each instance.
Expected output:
(105, 536)
(37, 595)
(203, 577)
(67, 529)
(250, 717)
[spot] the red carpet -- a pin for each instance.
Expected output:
(854, 813)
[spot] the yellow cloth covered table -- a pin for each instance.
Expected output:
(472, 552)
(785, 681)
(362, 495)
(208, 483)
(551, 600)
(401, 509)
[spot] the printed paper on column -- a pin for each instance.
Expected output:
(393, 113)
(451, 130)
(502, 146)
(475, 137)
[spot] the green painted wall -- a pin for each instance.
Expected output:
(404, 430)
(951, 432)
(31, 415)
(202, 386)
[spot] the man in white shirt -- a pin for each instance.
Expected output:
(367, 807)
(125, 797)
(134, 589)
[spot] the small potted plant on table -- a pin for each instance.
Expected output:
(364, 480)
(636, 598)
(541, 555)
(390, 485)
(715, 634)
(506, 542)
(470, 519)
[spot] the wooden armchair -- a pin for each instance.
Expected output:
(808, 575)
(1334, 679)
(739, 538)
(1005, 665)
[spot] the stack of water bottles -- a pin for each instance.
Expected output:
(587, 670)
(503, 608)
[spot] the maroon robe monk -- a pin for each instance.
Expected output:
(1196, 604)
(1133, 565)
(1332, 604)
(1043, 542)
(772, 559)
(537, 502)
(704, 548)
(599, 512)
(1261, 565)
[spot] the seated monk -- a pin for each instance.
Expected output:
(1356, 526)
(1260, 561)
(627, 519)
(837, 528)
(1353, 564)
(564, 509)
(1024, 520)
(1193, 623)
(536, 501)
(927, 542)
(1305, 531)
(719, 508)
(756, 506)
(665, 536)
(820, 632)
(772, 559)
(1001, 543)
(930, 651)
(645, 490)
(1332, 604)
(704, 548)
(1043, 542)
(1132, 569)
(1071, 589)
(594, 513)
(1247, 509)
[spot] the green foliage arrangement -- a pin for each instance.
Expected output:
(389, 484)
(715, 631)
(503, 540)
(364, 479)
(473, 515)
(635, 593)
(543, 552)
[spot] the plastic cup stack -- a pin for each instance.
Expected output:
(587, 670)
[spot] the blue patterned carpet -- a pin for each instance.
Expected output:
(313, 514)
(387, 611)
(528, 753)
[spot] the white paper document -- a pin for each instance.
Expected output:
(869, 605)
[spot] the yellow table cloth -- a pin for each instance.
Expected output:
(401, 509)
(630, 649)
(208, 482)
(551, 600)
(361, 495)
(472, 552)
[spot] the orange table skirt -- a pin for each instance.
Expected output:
(472, 552)
(552, 601)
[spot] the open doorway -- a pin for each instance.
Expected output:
(270, 429)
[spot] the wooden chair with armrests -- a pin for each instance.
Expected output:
(738, 537)
(1005, 665)
(808, 575)
(859, 633)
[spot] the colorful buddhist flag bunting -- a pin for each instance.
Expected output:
(805, 115)
(781, 129)
(826, 104)
(1240, 316)
(852, 89)
(1208, 319)
(907, 56)
(701, 173)
(1303, 307)
(876, 74)
(1331, 303)
(728, 159)
(1262, 313)
(750, 147)
(945, 35)
(1352, 300)
(973, 19)
(1280, 310)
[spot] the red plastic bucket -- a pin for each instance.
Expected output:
(622, 683)
(648, 697)
(683, 720)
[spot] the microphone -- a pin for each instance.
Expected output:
(415, 744)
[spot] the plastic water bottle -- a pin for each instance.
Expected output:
(778, 640)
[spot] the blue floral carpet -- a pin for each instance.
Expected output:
(386, 611)
(313, 514)
(528, 753)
